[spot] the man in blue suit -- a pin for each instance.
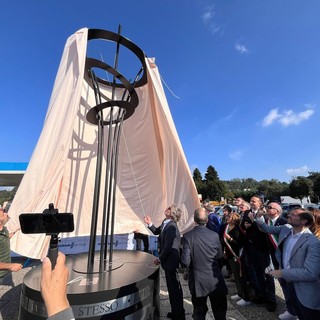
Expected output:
(169, 253)
(202, 253)
(298, 255)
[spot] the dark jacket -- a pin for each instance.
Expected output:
(254, 236)
(202, 252)
(236, 243)
(169, 244)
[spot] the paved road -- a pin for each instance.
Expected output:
(10, 299)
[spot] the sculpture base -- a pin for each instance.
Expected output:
(129, 291)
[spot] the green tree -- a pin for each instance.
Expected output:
(197, 178)
(300, 187)
(315, 178)
(7, 195)
(211, 174)
(316, 188)
(214, 187)
(272, 189)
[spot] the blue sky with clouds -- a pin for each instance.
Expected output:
(242, 77)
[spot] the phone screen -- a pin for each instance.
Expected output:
(46, 223)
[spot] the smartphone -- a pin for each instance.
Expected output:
(46, 223)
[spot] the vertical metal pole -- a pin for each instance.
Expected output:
(96, 195)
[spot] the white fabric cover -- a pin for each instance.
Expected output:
(153, 171)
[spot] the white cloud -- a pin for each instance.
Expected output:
(242, 49)
(236, 155)
(208, 15)
(287, 117)
(230, 116)
(214, 28)
(271, 117)
(208, 19)
(298, 171)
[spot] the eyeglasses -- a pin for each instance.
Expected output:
(269, 207)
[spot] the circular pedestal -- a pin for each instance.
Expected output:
(130, 291)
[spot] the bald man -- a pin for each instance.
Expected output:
(202, 253)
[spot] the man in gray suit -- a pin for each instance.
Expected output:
(202, 253)
(298, 254)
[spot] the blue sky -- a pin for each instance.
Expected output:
(244, 76)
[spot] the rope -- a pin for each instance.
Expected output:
(168, 87)
(133, 173)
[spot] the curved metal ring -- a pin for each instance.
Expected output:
(115, 37)
(94, 63)
(93, 112)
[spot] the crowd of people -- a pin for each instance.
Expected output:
(255, 243)
(260, 245)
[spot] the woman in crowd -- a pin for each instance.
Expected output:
(232, 244)
(315, 228)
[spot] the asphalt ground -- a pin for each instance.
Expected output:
(11, 288)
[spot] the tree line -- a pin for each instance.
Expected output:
(211, 187)
(7, 195)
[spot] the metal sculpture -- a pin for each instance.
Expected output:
(118, 110)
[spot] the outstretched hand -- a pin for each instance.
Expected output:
(147, 220)
(54, 285)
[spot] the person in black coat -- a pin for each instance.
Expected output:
(169, 257)
(202, 253)
(257, 256)
(232, 242)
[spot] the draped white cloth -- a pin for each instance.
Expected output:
(153, 170)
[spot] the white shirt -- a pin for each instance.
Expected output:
(288, 245)
(164, 223)
(274, 220)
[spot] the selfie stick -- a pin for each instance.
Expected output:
(53, 248)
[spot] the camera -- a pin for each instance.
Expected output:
(50, 222)
(46, 223)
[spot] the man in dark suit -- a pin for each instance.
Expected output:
(298, 255)
(202, 253)
(257, 257)
(169, 253)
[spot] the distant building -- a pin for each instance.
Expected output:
(287, 199)
(11, 173)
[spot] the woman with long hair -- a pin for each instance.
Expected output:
(232, 244)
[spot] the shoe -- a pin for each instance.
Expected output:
(235, 297)
(243, 303)
(287, 316)
(271, 306)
